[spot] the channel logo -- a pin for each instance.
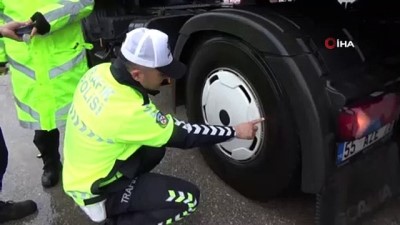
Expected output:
(332, 43)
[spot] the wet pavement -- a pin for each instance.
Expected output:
(219, 204)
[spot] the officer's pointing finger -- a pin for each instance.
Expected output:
(34, 31)
(254, 122)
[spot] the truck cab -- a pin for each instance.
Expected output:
(325, 75)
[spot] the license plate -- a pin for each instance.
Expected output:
(348, 149)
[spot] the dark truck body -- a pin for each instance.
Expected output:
(291, 38)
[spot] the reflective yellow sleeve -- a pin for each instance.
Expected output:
(147, 126)
(64, 12)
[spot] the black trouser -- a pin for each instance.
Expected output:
(3, 158)
(48, 143)
(152, 198)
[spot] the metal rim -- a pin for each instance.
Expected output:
(229, 99)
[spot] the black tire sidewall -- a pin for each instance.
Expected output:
(277, 158)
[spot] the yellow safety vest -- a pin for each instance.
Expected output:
(107, 123)
(45, 72)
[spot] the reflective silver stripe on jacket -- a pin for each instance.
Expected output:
(26, 108)
(30, 125)
(22, 68)
(35, 115)
(61, 123)
(60, 113)
(69, 8)
(56, 71)
(63, 111)
(6, 18)
(84, 129)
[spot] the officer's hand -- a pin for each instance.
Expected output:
(34, 29)
(8, 30)
(247, 130)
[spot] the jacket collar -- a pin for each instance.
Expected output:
(122, 76)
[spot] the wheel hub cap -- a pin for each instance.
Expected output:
(228, 99)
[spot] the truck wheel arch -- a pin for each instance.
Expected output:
(267, 37)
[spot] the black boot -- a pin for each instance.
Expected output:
(48, 142)
(16, 210)
(3, 157)
(51, 174)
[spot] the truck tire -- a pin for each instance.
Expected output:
(229, 83)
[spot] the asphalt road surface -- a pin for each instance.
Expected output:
(219, 204)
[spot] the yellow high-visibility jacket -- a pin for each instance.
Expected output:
(45, 71)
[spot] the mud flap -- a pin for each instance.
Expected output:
(360, 187)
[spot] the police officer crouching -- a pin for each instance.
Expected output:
(115, 136)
